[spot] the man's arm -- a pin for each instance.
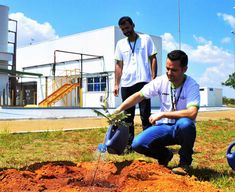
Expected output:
(130, 101)
(153, 63)
(190, 112)
(118, 74)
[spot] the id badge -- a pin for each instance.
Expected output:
(133, 59)
(171, 121)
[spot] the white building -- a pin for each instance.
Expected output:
(5, 56)
(76, 70)
(210, 97)
(86, 59)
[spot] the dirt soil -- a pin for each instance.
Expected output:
(137, 176)
(126, 176)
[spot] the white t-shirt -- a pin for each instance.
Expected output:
(136, 66)
(161, 86)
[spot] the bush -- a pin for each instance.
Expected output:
(227, 101)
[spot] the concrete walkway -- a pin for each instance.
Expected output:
(22, 120)
(11, 113)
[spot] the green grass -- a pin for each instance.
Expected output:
(213, 139)
(210, 163)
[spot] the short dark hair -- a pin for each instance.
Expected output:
(122, 20)
(178, 55)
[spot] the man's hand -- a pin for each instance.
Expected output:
(116, 90)
(155, 117)
(118, 75)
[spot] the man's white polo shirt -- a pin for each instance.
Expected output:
(161, 86)
(136, 66)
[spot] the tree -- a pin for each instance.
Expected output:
(230, 82)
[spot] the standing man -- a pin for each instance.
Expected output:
(135, 66)
(175, 123)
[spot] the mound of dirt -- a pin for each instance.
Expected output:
(126, 176)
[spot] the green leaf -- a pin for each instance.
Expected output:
(116, 119)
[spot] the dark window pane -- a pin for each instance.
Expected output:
(97, 87)
(90, 87)
(103, 79)
(97, 79)
(103, 86)
(90, 80)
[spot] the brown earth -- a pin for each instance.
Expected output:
(110, 177)
(125, 176)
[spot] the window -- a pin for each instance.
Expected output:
(96, 83)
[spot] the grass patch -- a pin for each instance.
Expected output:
(210, 163)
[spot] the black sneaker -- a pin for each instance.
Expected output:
(128, 150)
(166, 160)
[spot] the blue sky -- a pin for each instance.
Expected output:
(205, 25)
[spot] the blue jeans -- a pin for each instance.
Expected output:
(152, 142)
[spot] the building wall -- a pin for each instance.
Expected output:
(210, 97)
(4, 55)
(96, 42)
(40, 57)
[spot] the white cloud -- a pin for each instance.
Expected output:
(213, 76)
(204, 53)
(200, 39)
(226, 40)
(208, 53)
(168, 42)
(30, 31)
(217, 62)
(228, 19)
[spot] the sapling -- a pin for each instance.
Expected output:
(115, 119)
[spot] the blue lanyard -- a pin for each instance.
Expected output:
(133, 48)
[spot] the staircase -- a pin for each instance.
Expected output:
(58, 94)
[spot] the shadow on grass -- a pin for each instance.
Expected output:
(206, 174)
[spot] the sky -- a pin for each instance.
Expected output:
(205, 28)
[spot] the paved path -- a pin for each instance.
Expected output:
(59, 113)
(64, 123)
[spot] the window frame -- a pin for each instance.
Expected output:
(96, 83)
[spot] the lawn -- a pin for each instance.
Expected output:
(210, 164)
